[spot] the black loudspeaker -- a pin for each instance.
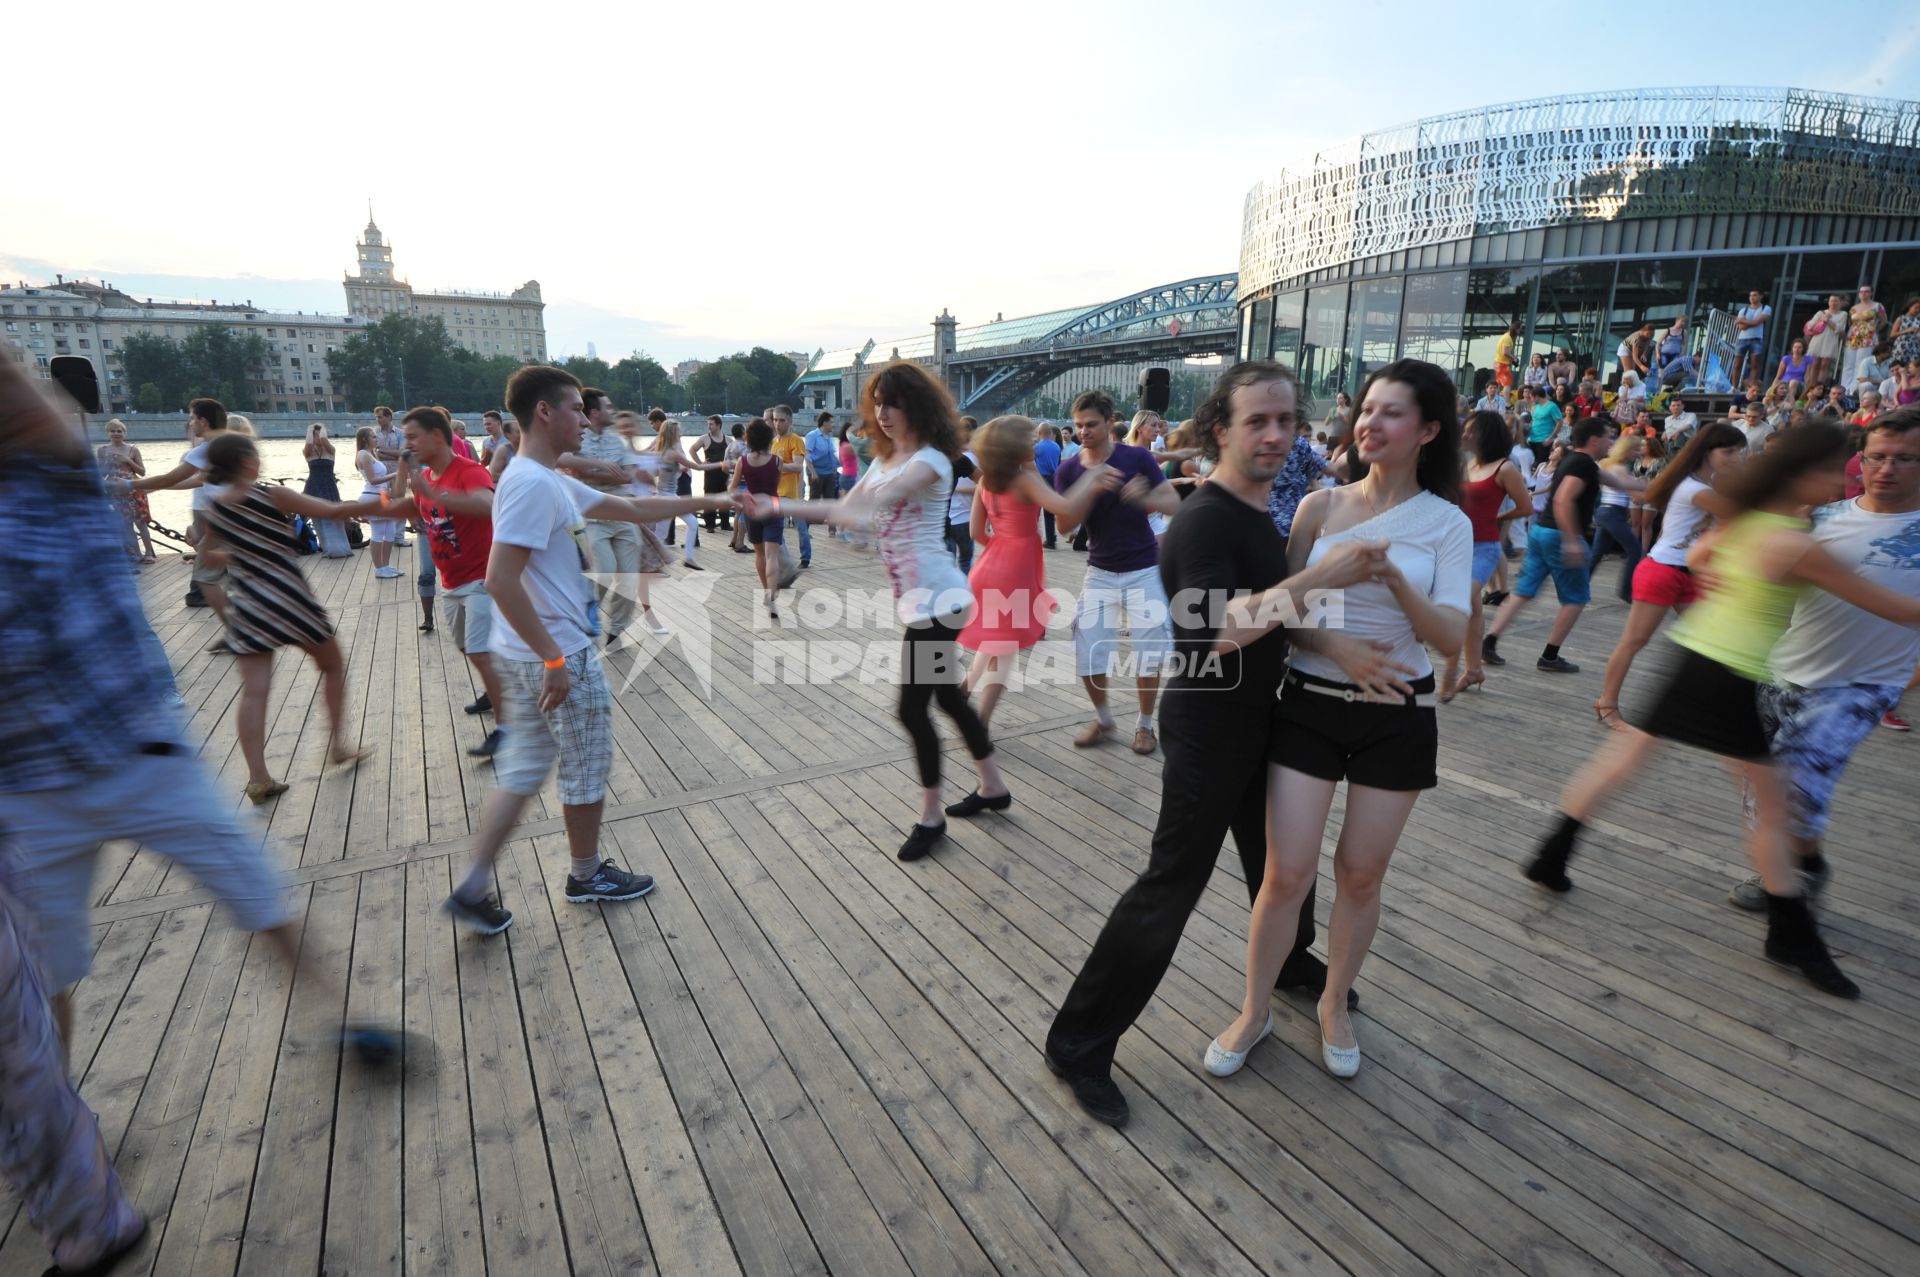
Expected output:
(1155, 390)
(77, 377)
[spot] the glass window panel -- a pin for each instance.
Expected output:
(1590, 239)
(1610, 238)
(1262, 327)
(1373, 327)
(1323, 342)
(1683, 232)
(1430, 325)
(1556, 243)
(1477, 249)
(1429, 254)
(1495, 298)
(1536, 244)
(1839, 272)
(1719, 294)
(1737, 231)
(1663, 235)
(1572, 312)
(1645, 292)
(1289, 315)
(1899, 282)
(1447, 253)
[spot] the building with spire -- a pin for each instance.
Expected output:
(485, 323)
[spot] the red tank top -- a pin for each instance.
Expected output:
(1481, 500)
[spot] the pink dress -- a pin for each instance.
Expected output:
(1009, 580)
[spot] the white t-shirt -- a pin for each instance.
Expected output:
(1757, 435)
(206, 494)
(1681, 524)
(1522, 458)
(1832, 643)
(1431, 541)
(538, 508)
(960, 507)
(911, 535)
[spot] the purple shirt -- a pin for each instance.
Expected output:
(1118, 537)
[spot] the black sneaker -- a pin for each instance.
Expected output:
(1490, 654)
(806, 563)
(1098, 1093)
(482, 706)
(195, 598)
(374, 1046)
(609, 882)
(973, 804)
(426, 627)
(1550, 873)
(483, 915)
(921, 840)
(1558, 665)
(1493, 598)
(488, 747)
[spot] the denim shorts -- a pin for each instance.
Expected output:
(1486, 561)
(1570, 584)
(1814, 731)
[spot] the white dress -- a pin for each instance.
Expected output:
(1826, 345)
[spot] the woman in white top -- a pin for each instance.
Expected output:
(1825, 332)
(902, 499)
(1382, 736)
(1662, 583)
(378, 478)
(674, 461)
(1633, 393)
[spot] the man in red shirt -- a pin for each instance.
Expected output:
(453, 498)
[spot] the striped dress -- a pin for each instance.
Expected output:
(272, 604)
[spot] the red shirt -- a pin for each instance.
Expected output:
(462, 448)
(460, 543)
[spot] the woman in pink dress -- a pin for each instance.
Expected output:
(1009, 578)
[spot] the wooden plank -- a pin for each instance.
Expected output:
(440, 1191)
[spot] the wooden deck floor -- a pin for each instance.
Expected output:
(799, 1055)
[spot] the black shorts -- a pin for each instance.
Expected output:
(1394, 747)
(765, 531)
(1708, 706)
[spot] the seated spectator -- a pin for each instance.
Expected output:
(1492, 400)
(1680, 423)
(1560, 368)
(1868, 410)
(1834, 405)
(1873, 369)
(1633, 393)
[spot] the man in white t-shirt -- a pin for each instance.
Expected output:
(543, 651)
(960, 502)
(207, 421)
(1839, 670)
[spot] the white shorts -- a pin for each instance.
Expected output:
(1107, 601)
(169, 805)
(469, 614)
(387, 530)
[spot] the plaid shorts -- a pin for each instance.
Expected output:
(578, 732)
(1814, 731)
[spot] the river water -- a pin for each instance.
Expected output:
(280, 459)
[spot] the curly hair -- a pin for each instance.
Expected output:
(1216, 410)
(920, 396)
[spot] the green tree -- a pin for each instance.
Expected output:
(403, 361)
(213, 360)
(747, 381)
(149, 399)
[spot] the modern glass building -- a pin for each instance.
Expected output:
(1581, 218)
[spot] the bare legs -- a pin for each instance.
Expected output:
(250, 716)
(989, 673)
(1643, 619)
(382, 551)
(1375, 818)
(1148, 685)
(1476, 627)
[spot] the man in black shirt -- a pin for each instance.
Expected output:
(1215, 719)
(1557, 547)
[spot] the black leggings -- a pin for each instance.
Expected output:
(930, 671)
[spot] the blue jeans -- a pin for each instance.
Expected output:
(1613, 531)
(806, 538)
(960, 541)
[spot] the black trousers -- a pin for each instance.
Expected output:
(1214, 780)
(716, 518)
(930, 672)
(1046, 523)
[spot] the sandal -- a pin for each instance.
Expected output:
(1604, 711)
(261, 791)
(350, 758)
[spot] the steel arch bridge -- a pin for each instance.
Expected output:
(1174, 321)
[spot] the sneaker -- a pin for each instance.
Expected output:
(482, 706)
(655, 626)
(609, 882)
(484, 915)
(374, 1046)
(1493, 598)
(1558, 665)
(1894, 723)
(1490, 654)
(488, 747)
(1097, 1093)
(806, 563)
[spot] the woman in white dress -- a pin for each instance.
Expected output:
(1825, 333)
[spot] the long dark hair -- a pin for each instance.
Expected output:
(1438, 467)
(1816, 446)
(928, 407)
(1492, 441)
(226, 454)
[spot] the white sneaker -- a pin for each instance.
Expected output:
(654, 625)
(1224, 1063)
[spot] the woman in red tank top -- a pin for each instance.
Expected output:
(1491, 481)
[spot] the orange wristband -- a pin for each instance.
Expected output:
(555, 663)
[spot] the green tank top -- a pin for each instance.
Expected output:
(1738, 624)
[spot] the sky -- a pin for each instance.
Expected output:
(693, 179)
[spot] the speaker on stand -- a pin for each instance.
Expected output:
(1156, 389)
(76, 375)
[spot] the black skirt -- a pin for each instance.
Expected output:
(1706, 705)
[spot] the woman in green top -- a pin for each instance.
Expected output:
(1762, 562)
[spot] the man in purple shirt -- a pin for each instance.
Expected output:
(1122, 586)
